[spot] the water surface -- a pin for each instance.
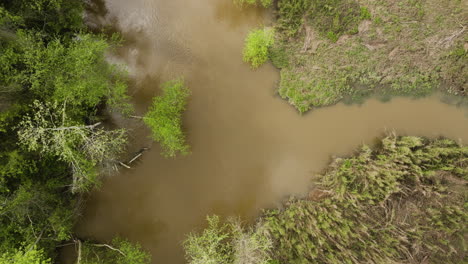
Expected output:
(250, 149)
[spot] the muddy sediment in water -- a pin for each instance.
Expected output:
(250, 149)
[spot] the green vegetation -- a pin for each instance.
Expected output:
(404, 202)
(30, 256)
(54, 86)
(50, 131)
(264, 3)
(333, 50)
(165, 118)
(256, 47)
(227, 243)
(120, 252)
(332, 18)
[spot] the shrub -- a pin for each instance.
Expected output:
(121, 251)
(257, 45)
(25, 256)
(228, 243)
(211, 246)
(264, 3)
(164, 118)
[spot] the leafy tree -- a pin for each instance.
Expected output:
(120, 252)
(51, 17)
(35, 212)
(212, 245)
(53, 79)
(51, 132)
(257, 45)
(251, 246)
(74, 71)
(34, 204)
(25, 256)
(227, 243)
(164, 118)
(264, 3)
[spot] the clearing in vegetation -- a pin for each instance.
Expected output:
(403, 202)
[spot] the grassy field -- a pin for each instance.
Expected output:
(332, 50)
(403, 202)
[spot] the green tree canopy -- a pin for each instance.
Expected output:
(25, 256)
(54, 82)
(51, 132)
(72, 71)
(51, 17)
(164, 118)
(121, 251)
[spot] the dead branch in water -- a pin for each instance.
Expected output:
(79, 243)
(124, 165)
(137, 156)
(78, 258)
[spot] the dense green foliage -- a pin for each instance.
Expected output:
(256, 47)
(331, 18)
(61, 70)
(333, 50)
(264, 3)
(120, 251)
(51, 17)
(54, 82)
(404, 202)
(164, 118)
(29, 256)
(227, 243)
(50, 131)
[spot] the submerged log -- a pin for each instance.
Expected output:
(135, 157)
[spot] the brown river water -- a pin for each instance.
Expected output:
(250, 149)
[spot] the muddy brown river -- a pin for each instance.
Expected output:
(250, 149)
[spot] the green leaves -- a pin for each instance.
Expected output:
(121, 251)
(53, 78)
(212, 245)
(73, 71)
(25, 256)
(228, 243)
(264, 3)
(164, 118)
(52, 17)
(257, 45)
(51, 132)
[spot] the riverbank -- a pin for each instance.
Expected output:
(249, 148)
(335, 50)
(401, 202)
(55, 85)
